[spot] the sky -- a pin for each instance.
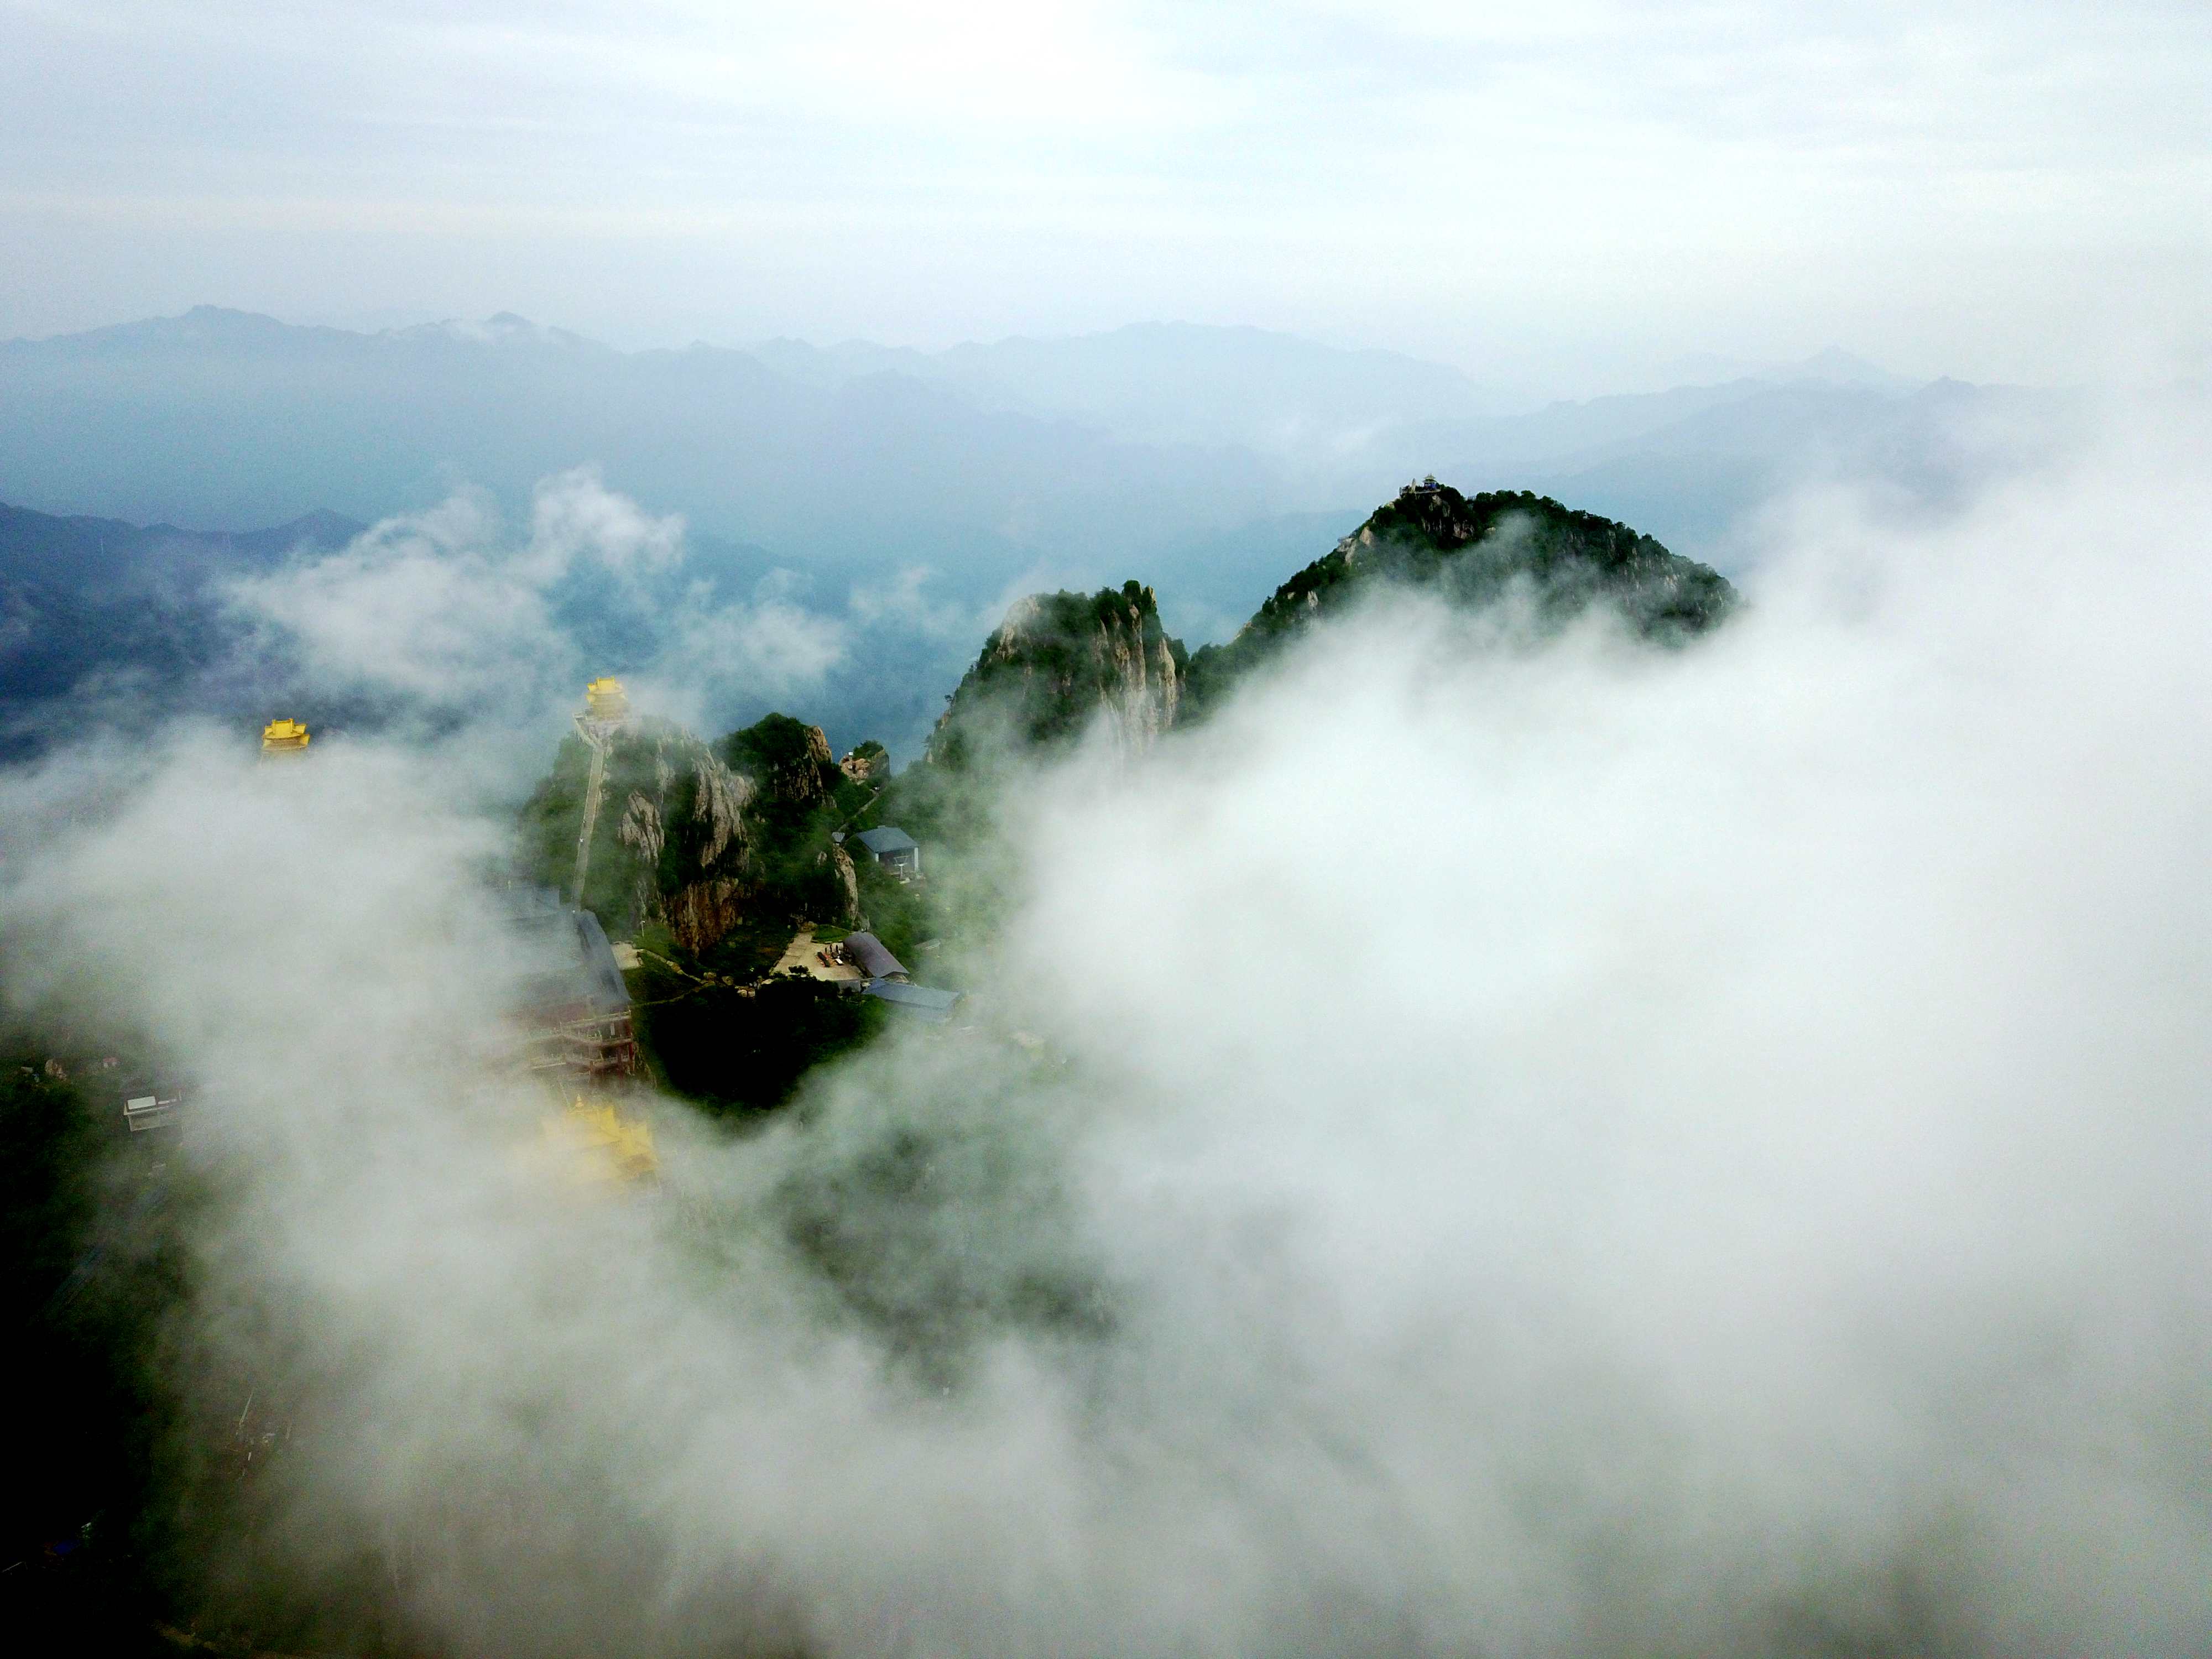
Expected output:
(1582, 191)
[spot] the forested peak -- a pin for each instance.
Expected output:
(1447, 520)
(1058, 661)
(1473, 548)
(1471, 551)
(1047, 621)
(784, 755)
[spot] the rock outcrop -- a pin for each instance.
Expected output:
(846, 913)
(705, 838)
(788, 760)
(672, 840)
(867, 763)
(1060, 663)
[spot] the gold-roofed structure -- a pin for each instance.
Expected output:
(283, 740)
(605, 700)
(590, 1143)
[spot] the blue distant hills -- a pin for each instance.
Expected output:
(1211, 459)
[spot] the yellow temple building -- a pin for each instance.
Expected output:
(605, 700)
(592, 1145)
(283, 740)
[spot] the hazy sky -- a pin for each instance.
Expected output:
(1579, 189)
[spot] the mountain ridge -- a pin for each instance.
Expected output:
(985, 462)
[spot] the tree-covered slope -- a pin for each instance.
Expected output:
(709, 840)
(1059, 662)
(1475, 551)
(88, 604)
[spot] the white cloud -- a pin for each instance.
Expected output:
(573, 517)
(715, 657)
(901, 602)
(431, 605)
(1561, 1149)
(447, 613)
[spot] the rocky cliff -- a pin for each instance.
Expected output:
(705, 838)
(1060, 663)
(869, 762)
(690, 838)
(713, 839)
(789, 759)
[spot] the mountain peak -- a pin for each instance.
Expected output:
(501, 329)
(1059, 662)
(1473, 551)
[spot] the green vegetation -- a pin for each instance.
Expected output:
(710, 857)
(717, 853)
(799, 797)
(653, 762)
(84, 1312)
(740, 1051)
(1042, 677)
(719, 840)
(941, 1238)
(1473, 551)
(546, 833)
(123, 1502)
(900, 914)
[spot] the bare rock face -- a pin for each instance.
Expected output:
(1144, 704)
(680, 847)
(719, 801)
(702, 914)
(641, 830)
(706, 801)
(866, 763)
(1060, 661)
(713, 838)
(848, 884)
(803, 780)
(787, 760)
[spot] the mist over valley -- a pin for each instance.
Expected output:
(1357, 832)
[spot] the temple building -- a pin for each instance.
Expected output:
(892, 848)
(283, 740)
(605, 700)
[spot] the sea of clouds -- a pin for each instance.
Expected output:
(1513, 1146)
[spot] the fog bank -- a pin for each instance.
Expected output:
(1519, 1147)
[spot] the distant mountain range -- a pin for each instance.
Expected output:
(1213, 458)
(106, 609)
(1066, 457)
(111, 558)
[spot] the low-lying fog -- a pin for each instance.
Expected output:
(1524, 1150)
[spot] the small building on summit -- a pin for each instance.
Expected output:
(894, 849)
(866, 762)
(605, 700)
(154, 1111)
(283, 740)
